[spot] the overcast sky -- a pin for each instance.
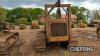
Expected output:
(90, 4)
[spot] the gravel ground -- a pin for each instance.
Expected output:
(28, 37)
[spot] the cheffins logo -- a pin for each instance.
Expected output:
(81, 48)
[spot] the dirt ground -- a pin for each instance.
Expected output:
(88, 39)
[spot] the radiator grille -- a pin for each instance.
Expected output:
(58, 29)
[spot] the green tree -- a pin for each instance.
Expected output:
(96, 14)
(74, 10)
(79, 12)
(53, 15)
(21, 21)
(3, 14)
(82, 9)
(17, 13)
(29, 13)
(35, 12)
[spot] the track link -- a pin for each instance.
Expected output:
(40, 42)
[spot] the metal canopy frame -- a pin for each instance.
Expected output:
(57, 4)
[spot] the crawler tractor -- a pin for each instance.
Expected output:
(56, 30)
